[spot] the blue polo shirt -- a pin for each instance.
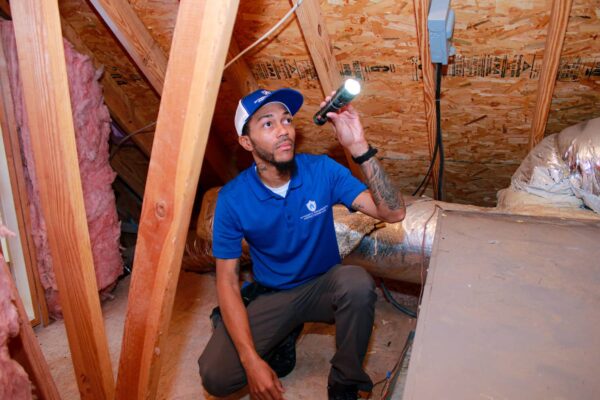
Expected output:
(292, 238)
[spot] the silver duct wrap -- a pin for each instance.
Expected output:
(563, 170)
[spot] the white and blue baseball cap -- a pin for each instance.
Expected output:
(290, 98)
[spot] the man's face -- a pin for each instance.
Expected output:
(271, 135)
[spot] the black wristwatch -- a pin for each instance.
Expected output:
(364, 157)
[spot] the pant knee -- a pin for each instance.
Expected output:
(213, 379)
(357, 286)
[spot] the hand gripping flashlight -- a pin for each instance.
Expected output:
(342, 96)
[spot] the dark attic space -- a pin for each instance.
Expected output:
(299, 199)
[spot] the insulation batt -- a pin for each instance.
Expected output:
(14, 382)
(92, 128)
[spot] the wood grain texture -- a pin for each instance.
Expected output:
(200, 44)
(46, 93)
(318, 43)
(421, 11)
(19, 190)
(239, 73)
(559, 17)
(30, 354)
(133, 35)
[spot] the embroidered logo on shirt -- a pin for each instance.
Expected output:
(312, 207)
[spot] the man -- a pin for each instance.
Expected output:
(282, 206)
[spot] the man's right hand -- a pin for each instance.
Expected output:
(263, 382)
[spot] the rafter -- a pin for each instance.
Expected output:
(421, 10)
(48, 109)
(239, 73)
(198, 51)
(559, 18)
(317, 40)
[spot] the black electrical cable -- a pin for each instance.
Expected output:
(117, 147)
(426, 177)
(438, 138)
(440, 144)
(397, 305)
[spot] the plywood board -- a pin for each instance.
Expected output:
(509, 310)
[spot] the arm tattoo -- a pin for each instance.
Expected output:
(382, 189)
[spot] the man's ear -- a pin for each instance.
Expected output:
(245, 142)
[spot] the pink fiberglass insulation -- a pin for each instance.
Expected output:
(14, 382)
(92, 128)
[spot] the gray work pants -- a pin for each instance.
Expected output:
(344, 295)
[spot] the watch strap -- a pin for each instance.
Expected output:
(364, 157)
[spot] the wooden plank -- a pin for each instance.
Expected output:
(45, 89)
(239, 73)
(19, 189)
(131, 32)
(559, 18)
(509, 310)
(29, 354)
(421, 11)
(319, 46)
(198, 53)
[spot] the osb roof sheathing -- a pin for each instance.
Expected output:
(489, 90)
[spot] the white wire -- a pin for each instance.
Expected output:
(263, 37)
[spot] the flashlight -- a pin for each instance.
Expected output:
(342, 96)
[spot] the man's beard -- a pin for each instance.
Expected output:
(281, 166)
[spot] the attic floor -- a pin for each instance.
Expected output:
(190, 330)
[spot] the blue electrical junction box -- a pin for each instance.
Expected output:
(440, 24)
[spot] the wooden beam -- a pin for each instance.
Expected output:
(198, 53)
(28, 352)
(46, 93)
(559, 18)
(239, 73)
(421, 11)
(317, 40)
(19, 189)
(131, 32)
